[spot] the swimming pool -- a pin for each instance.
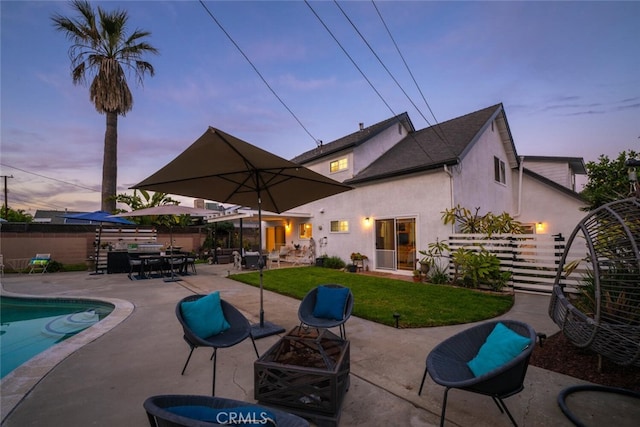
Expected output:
(30, 326)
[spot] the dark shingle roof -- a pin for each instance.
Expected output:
(430, 148)
(354, 139)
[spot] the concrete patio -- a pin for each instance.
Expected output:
(105, 373)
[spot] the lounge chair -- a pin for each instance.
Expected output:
(239, 330)
(39, 263)
(447, 363)
(320, 318)
(164, 411)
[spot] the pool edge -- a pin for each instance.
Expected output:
(16, 385)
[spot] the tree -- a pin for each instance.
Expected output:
(488, 223)
(608, 180)
(102, 50)
(17, 215)
(141, 199)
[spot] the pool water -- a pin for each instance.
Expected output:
(31, 326)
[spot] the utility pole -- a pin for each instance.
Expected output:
(6, 203)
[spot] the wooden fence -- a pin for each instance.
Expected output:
(118, 239)
(532, 259)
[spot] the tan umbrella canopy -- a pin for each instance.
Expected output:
(223, 168)
(169, 209)
(226, 169)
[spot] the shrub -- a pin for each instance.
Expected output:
(333, 262)
(473, 269)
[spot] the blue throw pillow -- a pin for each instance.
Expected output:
(247, 416)
(330, 302)
(501, 346)
(204, 316)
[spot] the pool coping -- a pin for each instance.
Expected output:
(17, 384)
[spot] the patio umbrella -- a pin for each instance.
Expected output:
(221, 167)
(99, 217)
(170, 209)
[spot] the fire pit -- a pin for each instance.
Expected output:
(305, 373)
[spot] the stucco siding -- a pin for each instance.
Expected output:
(420, 196)
(558, 212)
(474, 179)
(555, 171)
(366, 154)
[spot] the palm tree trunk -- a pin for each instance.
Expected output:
(110, 164)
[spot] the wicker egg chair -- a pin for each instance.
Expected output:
(596, 299)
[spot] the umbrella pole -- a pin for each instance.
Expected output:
(262, 329)
(173, 277)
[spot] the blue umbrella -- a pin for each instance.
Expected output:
(99, 217)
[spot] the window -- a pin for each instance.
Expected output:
(499, 170)
(338, 165)
(306, 230)
(341, 226)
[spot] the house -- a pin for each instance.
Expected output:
(405, 178)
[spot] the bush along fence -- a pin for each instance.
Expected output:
(530, 261)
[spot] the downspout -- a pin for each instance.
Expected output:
(448, 172)
(517, 214)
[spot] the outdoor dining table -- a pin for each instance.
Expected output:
(176, 262)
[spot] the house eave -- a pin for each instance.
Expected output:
(553, 184)
(402, 172)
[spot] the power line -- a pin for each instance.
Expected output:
(409, 70)
(350, 58)
(365, 77)
(47, 177)
(384, 66)
(256, 70)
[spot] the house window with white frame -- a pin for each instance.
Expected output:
(339, 165)
(340, 226)
(499, 170)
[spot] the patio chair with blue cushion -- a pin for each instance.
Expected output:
(39, 263)
(199, 411)
(326, 306)
(490, 358)
(209, 321)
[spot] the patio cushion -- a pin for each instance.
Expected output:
(501, 346)
(204, 316)
(330, 302)
(241, 415)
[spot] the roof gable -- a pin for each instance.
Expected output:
(357, 138)
(435, 146)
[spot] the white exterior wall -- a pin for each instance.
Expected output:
(419, 196)
(370, 151)
(322, 166)
(474, 180)
(558, 212)
(555, 171)
(361, 156)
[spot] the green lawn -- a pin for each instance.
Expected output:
(377, 298)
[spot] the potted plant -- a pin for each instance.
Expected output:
(351, 268)
(431, 256)
(417, 276)
(357, 256)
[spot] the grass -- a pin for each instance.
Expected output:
(378, 298)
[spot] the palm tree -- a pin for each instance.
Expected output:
(102, 50)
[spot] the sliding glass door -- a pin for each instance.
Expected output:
(396, 243)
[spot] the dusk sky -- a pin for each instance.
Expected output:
(568, 74)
